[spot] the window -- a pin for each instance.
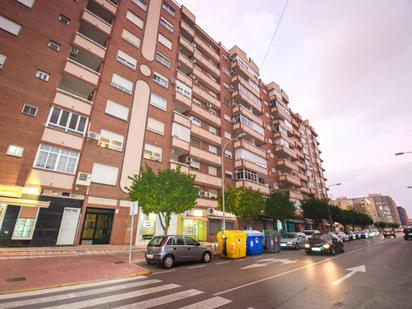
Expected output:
(28, 3)
(196, 121)
(117, 110)
(104, 174)
(243, 154)
(155, 126)
(226, 86)
(141, 4)
(228, 154)
(42, 75)
(196, 143)
(127, 60)
(211, 111)
(63, 19)
(166, 42)
(166, 24)
(183, 89)
(213, 149)
(9, 26)
(56, 159)
(226, 71)
(15, 151)
(53, 45)
(29, 110)
(122, 84)
(180, 132)
(227, 101)
(195, 165)
(169, 9)
(130, 38)
(110, 140)
(196, 102)
(244, 174)
(3, 208)
(212, 170)
(26, 222)
(152, 153)
(227, 118)
(134, 19)
(161, 80)
(176, 241)
(2, 61)
(228, 175)
(162, 59)
(228, 135)
(212, 130)
(158, 101)
(190, 241)
(67, 121)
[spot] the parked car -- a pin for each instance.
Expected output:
(373, 233)
(293, 240)
(309, 233)
(364, 234)
(343, 236)
(324, 243)
(351, 235)
(170, 249)
(389, 233)
(408, 233)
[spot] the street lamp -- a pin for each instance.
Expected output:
(335, 184)
(409, 187)
(402, 153)
(223, 178)
(330, 216)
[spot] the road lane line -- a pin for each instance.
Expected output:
(116, 297)
(153, 302)
(220, 263)
(199, 266)
(35, 301)
(68, 288)
(294, 270)
(210, 303)
(163, 272)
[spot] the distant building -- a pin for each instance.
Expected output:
(403, 216)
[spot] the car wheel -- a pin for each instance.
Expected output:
(332, 251)
(297, 247)
(168, 261)
(206, 257)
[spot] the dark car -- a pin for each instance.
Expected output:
(389, 233)
(324, 243)
(167, 250)
(408, 233)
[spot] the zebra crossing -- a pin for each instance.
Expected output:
(134, 292)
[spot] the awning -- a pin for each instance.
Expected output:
(23, 202)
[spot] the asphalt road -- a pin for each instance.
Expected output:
(289, 279)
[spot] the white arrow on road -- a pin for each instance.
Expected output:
(266, 262)
(353, 271)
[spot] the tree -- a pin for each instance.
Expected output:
(243, 202)
(315, 209)
(278, 206)
(165, 193)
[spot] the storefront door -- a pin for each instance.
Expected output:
(97, 226)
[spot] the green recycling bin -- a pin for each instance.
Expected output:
(271, 242)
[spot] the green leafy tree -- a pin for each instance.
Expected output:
(244, 203)
(165, 193)
(278, 205)
(315, 209)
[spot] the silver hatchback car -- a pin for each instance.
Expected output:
(169, 249)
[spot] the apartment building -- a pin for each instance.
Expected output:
(379, 207)
(403, 215)
(93, 91)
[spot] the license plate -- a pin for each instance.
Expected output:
(283, 245)
(149, 256)
(316, 249)
(410, 234)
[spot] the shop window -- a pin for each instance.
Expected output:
(3, 208)
(25, 223)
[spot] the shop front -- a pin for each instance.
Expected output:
(216, 223)
(97, 226)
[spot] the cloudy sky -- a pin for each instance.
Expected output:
(347, 67)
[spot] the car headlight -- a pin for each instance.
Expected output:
(289, 242)
(326, 246)
(307, 246)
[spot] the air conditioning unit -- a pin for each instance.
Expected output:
(188, 160)
(75, 51)
(83, 179)
(207, 194)
(211, 211)
(173, 81)
(194, 60)
(209, 105)
(213, 196)
(93, 136)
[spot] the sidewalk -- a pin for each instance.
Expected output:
(38, 273)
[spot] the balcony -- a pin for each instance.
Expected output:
(206, 179)
(184, 168)
(205, 115)
(108, 5)
(185, 61)
(305, 190)
(251, 166)
(281, 123)
(81, 71)
(187, 28)
(295, 122)
(295, 195)
(96, 21)
(300, 164)
(287, 165)
(262, 188)
(89, 45)
(290, 179)
(205, 135)
(205, 156)
(73, 102)
(180, 144)
(298, 144)
(205, 63)
(239, 96)
(95, 35)
(239, 79)
(285, 151)
(206, 203)
(249, 131)
(238, 69)
(77, 88)
(185, 43)
(279, 135)
(183, 99)
(203, 95)
(202, 76)
(184, 78)
(210, 51)
(239, 108)
(282, 114)
(181, 119)
(252, 148)
(302, 177)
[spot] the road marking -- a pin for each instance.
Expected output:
(33, 301)
(210, 303)
(162, 300)
(68, 288)
(266, 262)
(220, 263)
(352, 270)
(117, 297)
(163, 272)
(198, 266)
(294, 270)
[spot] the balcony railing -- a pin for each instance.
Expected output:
(262, 188)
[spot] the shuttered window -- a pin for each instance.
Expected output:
(166, 42)
(9, 26)
(134, 19)
(104, 174)
(122, 84)
(117, 110)
(126, 59)
(130, 38)
(155, 126)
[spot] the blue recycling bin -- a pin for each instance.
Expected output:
(254, 242)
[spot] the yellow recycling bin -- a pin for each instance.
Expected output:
(234, 244)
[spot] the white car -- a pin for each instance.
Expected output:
(309, 233)
(343, 236)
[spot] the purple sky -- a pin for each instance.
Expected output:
(347, 67)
